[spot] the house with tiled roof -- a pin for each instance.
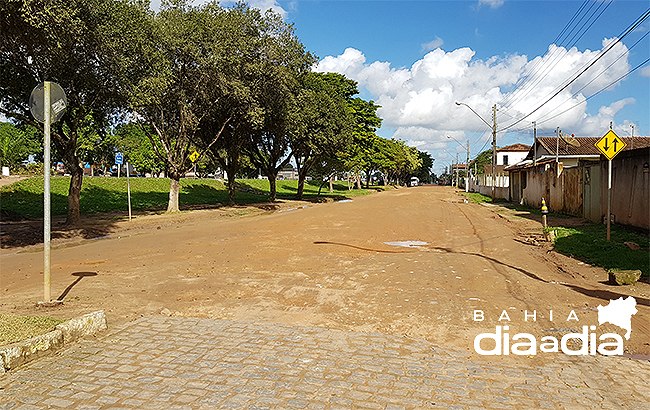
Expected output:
(571, 175)
(506, 156)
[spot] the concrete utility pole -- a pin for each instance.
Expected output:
(494, 151)
(467, 170)
(494, 140)
(534, 143)
(457, 171)
(557, 145)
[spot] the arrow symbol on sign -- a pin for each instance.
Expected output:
(615, 141)
(605, 145)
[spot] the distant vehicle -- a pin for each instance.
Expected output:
(415, 181)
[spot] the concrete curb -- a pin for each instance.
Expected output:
(20, 353)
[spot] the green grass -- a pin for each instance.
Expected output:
(100, 194)
(288, 189)
(16, 328)
(589, 244)
(476, 198)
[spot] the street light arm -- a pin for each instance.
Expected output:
(477, 114)
(459, 143)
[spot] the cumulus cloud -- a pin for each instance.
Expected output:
(417, 102)
(494, 4)
(645, 71)
(432, 45)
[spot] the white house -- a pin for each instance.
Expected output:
(506, 156)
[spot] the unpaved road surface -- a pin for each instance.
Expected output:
(328, 265)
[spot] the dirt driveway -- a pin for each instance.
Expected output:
(330, 265)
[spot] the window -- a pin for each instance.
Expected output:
(505, 160)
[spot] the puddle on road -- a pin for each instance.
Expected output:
(407, 244)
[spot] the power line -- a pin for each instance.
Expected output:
(568, 82)
(553, 59)
(601, 73)
(599, 91)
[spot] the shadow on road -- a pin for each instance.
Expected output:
(79, 275)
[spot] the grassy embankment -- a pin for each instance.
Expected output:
(109, 194)
(588, 241)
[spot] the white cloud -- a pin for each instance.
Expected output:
(418, 101)
(492, 3)
(645, 71)
(432, 45)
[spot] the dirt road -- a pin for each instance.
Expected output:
(330, 265)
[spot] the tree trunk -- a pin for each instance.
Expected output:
(272, 191)
(74, 194)
(301, 185)
(231, 192)
(358, 181)
(331, 184)
(174, 190)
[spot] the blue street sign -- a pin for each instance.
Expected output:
(119, 158)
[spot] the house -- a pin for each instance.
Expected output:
(506, 156)
(571, 176)
(288, 173)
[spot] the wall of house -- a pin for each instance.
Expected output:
(630, 187)
(513, 157)
(562, 194)
(499, 192)
(482, 183)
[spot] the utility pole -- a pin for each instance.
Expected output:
(494, 150)
(534, 143)
(557, 145)
(467, 169)
(457, 171)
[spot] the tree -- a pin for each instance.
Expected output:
(185, 74)
(276, 87)
(132, 141)
(424, 171)
(16, 145)
(249, 49)
(322, 125)
(71, 42)
(482, 159)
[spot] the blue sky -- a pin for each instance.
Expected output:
(416, 58)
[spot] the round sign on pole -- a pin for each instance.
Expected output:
(58, 102)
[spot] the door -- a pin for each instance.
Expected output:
(591, 192)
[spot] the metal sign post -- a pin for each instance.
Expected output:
(46, 193)
(610, 145)
(119, 160)
(128, 188)
(47, 113)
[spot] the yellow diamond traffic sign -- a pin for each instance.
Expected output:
(194, 156)
(610, 145)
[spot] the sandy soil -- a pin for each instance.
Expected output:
(324, 265)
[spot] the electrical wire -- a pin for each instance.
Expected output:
(570, 81)
(542, 119)
(554, 58)
(598, 92)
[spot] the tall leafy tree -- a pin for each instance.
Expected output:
(276, 87)
(247, 49)
(16, 145)
(186, 74)
(424, 171)
(65, 41)
(132, 141)
(322, 125)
